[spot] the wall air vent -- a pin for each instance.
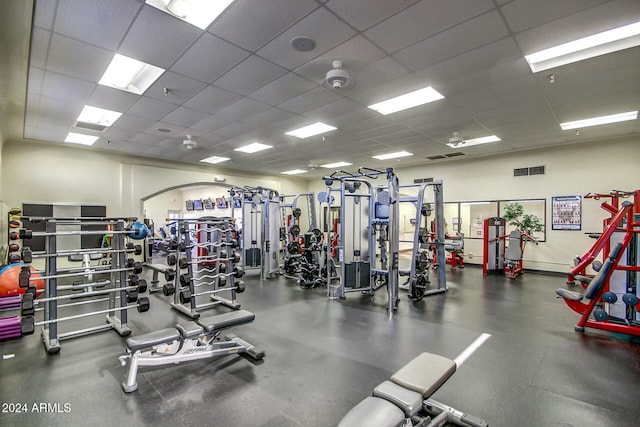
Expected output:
(456, 154)
(91, 126)
(533, 170)
(422, 180)
(536, 170)
(438, 157)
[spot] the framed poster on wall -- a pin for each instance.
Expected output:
(566, 213)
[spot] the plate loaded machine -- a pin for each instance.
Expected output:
(210, 272)
(425, 243)
(295, 247)
(365, 213)
(260, 232)
(497, 255)
(610, 300)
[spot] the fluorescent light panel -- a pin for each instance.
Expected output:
(602, 120)
(336, 165)
(395, 155)
(294, 172)
(130, 75)
(253, 148)
(587, 47)
(98, 116)
(215, 159)
(474, 141)
(79, 138)
(311, 130)
(199, 13)
(408, 100)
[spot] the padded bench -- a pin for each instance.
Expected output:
(397, 401)
(187, 341)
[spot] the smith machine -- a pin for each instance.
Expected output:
(296, 247)
(367, 215)
(260, 209)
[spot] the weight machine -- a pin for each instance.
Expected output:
(497, 255)
(260, 209)
(367, 214)
(426, 244)
(294, 246)
(612, 295)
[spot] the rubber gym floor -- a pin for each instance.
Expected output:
(324, 356)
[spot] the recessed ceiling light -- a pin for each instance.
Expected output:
(294, 172)
(79, 138)
(254, 148)
(587, 47)
(98, 116)
(215, 159)
(311, 130)
(408, 100)
(395, 155)
(335, 165)
(199, 13)
(602, 120)
(129, 74)
(474, 141)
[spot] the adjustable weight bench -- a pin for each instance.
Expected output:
(187, 341)
(404, 400)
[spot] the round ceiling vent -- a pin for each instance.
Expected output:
(303, 44)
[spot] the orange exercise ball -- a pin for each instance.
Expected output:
(9, 280)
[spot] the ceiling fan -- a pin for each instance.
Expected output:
(456, 140)
(189, 143)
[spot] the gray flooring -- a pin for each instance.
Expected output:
(324, 356)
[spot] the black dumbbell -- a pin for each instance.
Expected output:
(168, 289)
(185, 296)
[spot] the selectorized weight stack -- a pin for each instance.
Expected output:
(260, 232)
(493, 244)
(356, 238)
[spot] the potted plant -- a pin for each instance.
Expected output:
(528, 223)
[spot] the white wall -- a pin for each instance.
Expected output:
(46, 172)
(575, 169)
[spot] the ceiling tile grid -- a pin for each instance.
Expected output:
(241, 80)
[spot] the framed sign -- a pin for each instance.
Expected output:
(566, 213)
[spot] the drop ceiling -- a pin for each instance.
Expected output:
(240, 80)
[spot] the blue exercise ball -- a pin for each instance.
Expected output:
(138, 231)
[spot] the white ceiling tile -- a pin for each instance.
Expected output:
(39, 47)
(96, 22)
(179, 88)
(158, 38)
(77, 59)
(212, 123)
(55, 107)
(377, 73)
(250, 24)
(209, 58)
(311, 100)
(160, 129)
(485, 28)
(251, 74)
(184, 116)
(524, 14)
(423, 20)
(35, 79)
(267, 117)
(67, 88)
(314, 26)
(43, 14)
(151, 108)
(244, 107)
(211, 99)
(131, 122)
(363, 15)
(282, 89)
(112, 99)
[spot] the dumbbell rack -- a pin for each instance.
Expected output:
(124, 285)
(214, 239)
